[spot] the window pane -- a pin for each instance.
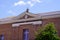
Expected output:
(1, 37)
(25, 34)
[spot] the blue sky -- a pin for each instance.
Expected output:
(15, 7)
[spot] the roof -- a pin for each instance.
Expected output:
(49, 13)
(37, 16)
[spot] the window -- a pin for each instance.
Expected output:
(1, 37)
(25, 34)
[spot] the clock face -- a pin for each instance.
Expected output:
(26, 16)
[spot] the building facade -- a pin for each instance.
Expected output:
(24, 26)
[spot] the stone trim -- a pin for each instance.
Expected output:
(13, 21)
(33, 23)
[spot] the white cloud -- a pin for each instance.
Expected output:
(36, 1)
(31, 2)
(19, 3)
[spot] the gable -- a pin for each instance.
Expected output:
(25, 15)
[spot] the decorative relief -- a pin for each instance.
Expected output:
(26, 16)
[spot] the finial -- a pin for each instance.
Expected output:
(27, 10)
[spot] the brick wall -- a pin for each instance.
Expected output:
(16, 33)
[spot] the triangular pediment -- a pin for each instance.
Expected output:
(25, 15)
